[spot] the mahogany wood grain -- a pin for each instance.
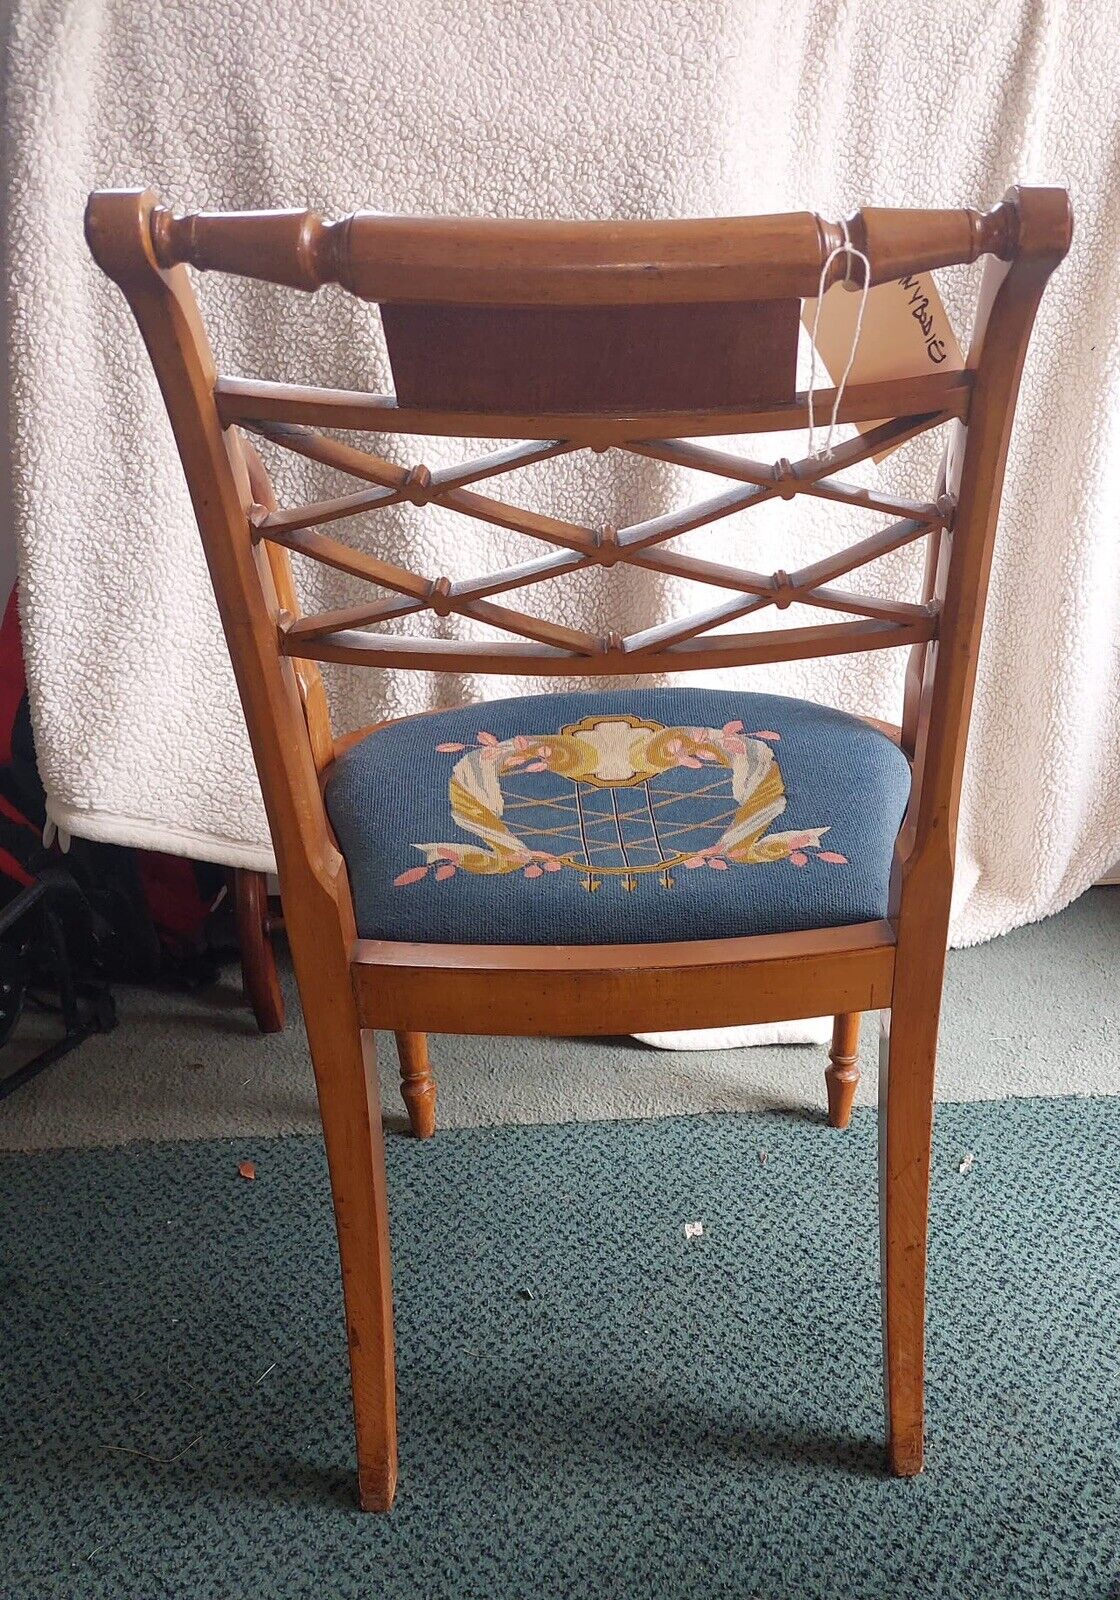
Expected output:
(810, 477)
(394, 483)
(312, 692)
(593, 358)
(609, 989)
(925, 853)
(348, 985)
(252, 400)
(491, 261)
(318, 907)
(608, 546)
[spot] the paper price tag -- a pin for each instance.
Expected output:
(906, 332)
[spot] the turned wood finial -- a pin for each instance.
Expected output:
(165, 240)
(900, 241)
(295, 248)
(995, 232)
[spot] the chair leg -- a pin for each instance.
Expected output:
(841, 1076)
(258, 959)
(908, 1048)
(349, 1104)
(418, 1087)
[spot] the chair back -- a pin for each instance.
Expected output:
(572, 336)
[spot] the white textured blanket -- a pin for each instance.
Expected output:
(636, 108)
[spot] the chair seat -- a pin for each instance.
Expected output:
(625, 817)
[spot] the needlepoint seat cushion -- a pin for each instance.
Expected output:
(623, 817)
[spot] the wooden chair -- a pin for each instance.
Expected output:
(641, 337)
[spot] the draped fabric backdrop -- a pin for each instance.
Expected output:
(641, 108)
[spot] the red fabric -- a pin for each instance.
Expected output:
(170, 887)
(13, 683)
(13, 869)
(13, 814)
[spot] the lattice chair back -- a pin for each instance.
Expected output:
(640, 337)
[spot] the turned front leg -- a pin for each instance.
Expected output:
(418, 1087)
(842, 1073)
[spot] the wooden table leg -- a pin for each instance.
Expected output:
(258, 960)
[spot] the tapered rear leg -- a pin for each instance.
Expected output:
(349, 1104)
(418, 1087)
(908, 1049)
(258, 959)
(842, 1073)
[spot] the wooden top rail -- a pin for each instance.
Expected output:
(474, 260)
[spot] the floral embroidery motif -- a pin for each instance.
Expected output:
(614, 797)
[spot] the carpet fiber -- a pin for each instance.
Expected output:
(590, 1403)
(1034, 1013)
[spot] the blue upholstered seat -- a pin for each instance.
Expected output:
(630, 816)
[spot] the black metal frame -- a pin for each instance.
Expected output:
(86, 1005)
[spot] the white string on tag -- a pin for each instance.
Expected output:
(847, 248)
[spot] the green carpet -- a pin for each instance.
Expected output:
(590, 1404)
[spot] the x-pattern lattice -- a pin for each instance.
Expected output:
(634, 827)
(645, 802)
(577, 546)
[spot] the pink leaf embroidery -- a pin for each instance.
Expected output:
(445, 872)
(413, 875)
(733, 727)
(695, 861)
(718, 863)
(486, 738)
(537, 766)
(799, 858)
(448, 748)
(552, 866)
(833, 856)
(534, 871)
(765, 733)
(689, 761)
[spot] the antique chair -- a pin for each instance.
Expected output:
(597, 863)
